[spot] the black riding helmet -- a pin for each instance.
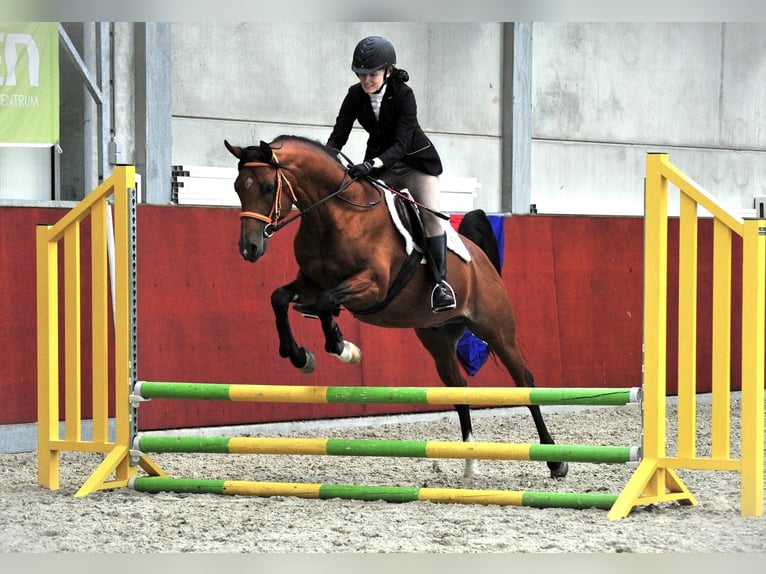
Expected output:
(372, 54)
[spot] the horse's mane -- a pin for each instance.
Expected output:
(254, 153)
(277, 142)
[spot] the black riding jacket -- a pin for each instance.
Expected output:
(395, 136)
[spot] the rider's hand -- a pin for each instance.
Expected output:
(360, 169)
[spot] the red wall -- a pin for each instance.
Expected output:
(18, 311)
(205, 315)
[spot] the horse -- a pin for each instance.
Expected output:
(352, 256)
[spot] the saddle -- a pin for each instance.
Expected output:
(405, 216)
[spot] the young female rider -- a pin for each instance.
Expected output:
(398, 152)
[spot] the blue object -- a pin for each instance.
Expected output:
(472, 352)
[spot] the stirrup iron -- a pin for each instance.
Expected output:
(444, 290)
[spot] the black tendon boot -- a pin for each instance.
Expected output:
(442, 296)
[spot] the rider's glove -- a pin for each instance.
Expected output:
(360, 169)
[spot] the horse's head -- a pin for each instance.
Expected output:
(264, 193)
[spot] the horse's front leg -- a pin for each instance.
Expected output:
(300, 358)
(346, 351)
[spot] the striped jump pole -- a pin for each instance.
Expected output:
(370, 493)
(486, 396)
(388, 448)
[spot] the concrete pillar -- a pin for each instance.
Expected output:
(516, 167)
(153, 109)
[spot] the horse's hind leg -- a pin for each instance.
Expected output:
(466, 430)
(441, 343)
(558, 469)
(504, 345)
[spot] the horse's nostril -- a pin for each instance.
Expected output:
(250, 253)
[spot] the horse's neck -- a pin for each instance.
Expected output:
(313, 181)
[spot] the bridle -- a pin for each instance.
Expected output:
(272, 220)
(280, 181)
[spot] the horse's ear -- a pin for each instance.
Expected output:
(236, 151)
(266, 151)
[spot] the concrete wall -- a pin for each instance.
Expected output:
(606, 94)
(253, 81)
(603, 95)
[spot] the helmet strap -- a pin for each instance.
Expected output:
(386, 75)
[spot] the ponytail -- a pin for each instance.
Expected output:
(399, 76)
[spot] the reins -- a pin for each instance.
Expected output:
(272, 220)
(382, 186)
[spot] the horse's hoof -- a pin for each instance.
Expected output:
(351, 354)
(311, 363)
(560, 470)
(471, 469)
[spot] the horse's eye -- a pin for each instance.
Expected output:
(267, 189)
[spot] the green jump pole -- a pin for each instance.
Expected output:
(367, 493)
(390, 448)
(489, 396)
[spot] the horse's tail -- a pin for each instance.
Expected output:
(476, 227)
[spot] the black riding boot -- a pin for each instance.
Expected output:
(442, 296)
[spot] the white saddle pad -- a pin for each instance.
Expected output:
(454, 241)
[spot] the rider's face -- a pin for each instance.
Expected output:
(371, 83)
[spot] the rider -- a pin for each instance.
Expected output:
(398, 152)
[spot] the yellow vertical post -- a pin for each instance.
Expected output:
(125, 177)
(753, 310)
(648, 480)
(687, 327)
(655, 306)
(47, 360)
(117, 463)
(72, 334)
(117, 469)
(721, 343)
(100, 321)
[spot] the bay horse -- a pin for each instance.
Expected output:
(350, 253)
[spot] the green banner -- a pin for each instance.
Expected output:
(29, 83)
